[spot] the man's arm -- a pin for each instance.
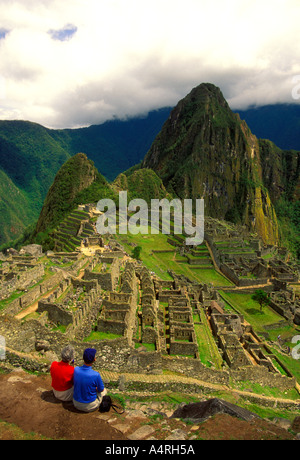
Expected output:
(99, 384)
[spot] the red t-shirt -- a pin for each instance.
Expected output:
(62, 375)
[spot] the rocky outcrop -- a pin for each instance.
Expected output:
(198, 412)
(205, 151)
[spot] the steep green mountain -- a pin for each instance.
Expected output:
(31, 155)
(281, 173)
(77, 181)
(15, 206)
(29, 160)
(204, 150)
(141, 183)
(116, 145)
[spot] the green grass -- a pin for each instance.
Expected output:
(148, 346)
(98, 335)
(208, 350)
(210, 275)
(11, 298)
(160, 263)
(10, 431)
(292, 364)
(251, 311)
(264, 390)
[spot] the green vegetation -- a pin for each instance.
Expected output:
(261, 297)
(12, 432)
(288, 213)
(266, 391)
(208, 351)
(31, 155)
(98, 335)
(141, 183)
(136, 252)
(291, 363)
(76, 182)
(159, 256)
(29, 160)
(250, 309)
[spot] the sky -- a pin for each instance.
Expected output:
(72, 63)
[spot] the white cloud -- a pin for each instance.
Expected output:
(80, 62)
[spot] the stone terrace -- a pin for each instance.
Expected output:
(156, 324)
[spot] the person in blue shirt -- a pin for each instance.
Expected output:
(88, 385)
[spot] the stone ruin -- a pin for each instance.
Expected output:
(110, 293)
(119, 308)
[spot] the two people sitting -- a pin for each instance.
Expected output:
(81, 384)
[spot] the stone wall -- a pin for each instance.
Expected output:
(194, 368)
(117, 327)
(56, 313)
(33, 294)
(149, 334)
(117, 355)
(107, 281)
(19, 278)
(241, 282)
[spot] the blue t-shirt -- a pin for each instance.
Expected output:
(87, 383)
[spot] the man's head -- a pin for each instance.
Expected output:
(89, 355)
(67, 354)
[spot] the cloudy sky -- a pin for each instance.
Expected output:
(75, 63)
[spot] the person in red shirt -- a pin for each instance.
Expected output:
(62, 375)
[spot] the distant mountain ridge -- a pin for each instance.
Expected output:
(205, 150)
(78, 182)
(31, 155)
(279, 123)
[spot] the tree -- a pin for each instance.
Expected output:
(261, 297)
(136, 252)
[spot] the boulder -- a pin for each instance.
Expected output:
(203, 410)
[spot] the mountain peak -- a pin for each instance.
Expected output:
(205, 151)
(76, 175)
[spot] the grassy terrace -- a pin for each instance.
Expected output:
(208, 350)
(266, 321)
(18, 293)
(101, 267)
(250, 309)
(161, 262)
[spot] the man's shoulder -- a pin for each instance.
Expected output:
(87, 369)
(77, 368)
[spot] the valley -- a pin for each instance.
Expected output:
(220, 317)
(174, 309)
